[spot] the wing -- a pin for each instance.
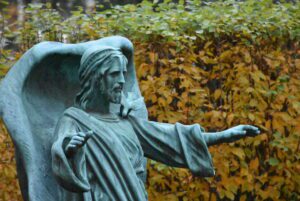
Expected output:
(34, 93)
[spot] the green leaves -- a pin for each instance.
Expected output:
(273, 161)
(218, 64)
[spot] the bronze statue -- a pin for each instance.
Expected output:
(89, 93)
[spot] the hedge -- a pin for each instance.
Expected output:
(218, 64)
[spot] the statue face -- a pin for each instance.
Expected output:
(114, 80)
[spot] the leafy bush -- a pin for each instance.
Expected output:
(217, 64)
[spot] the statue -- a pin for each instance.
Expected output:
(80, 128)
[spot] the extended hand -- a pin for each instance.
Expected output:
(77, 141)
(240, 131)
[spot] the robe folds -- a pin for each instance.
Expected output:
(109, 166)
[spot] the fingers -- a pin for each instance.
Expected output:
(80, 138)
(81, 134)
(71, 146)
(251, 130)
(249, 127)
(237, 132)
(246, 130)
(76, 142)
(86, 135)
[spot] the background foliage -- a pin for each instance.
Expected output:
(217, 64)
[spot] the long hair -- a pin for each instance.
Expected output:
(94, 63)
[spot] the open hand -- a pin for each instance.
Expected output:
(241, 131)
(77, 141)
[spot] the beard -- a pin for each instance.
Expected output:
(114, 94)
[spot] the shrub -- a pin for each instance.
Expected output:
(217, 64)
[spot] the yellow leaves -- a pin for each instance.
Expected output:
(247, 56)
(229, 195)
(9, 187)
(3, 70)
(243, 81)
(153, 98)
(220, 85)
(228, 188)
(243, 198)
(217, 93)
(186, 83)
(258, 78)
(153, 57)
(226, 56)
(272, 62)
(208, 60)
(144, 69)
(297, 63)
(171, 197)
(269, 192)
(162, 102)
(238, 152)
(230, 118)
(208, 44)
(254, 164)
(215, 118)
(213, 197)
(253, 103)
(251, 116)
(281, 119)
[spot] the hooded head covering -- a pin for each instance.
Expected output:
(94, 63)
(34, 94)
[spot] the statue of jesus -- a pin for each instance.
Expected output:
(98, 154)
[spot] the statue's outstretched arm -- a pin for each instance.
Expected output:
(175, 145)
(230, 135)
(226, 136)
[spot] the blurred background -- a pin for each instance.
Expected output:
(216, 63)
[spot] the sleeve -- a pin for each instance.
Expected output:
(176, 145)
(70, 172)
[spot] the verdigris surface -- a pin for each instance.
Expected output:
(80, 128)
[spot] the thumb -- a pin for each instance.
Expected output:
(88, 135)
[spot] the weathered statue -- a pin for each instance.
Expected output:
(89, 93)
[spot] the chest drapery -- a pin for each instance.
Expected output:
(110, 163)
(106, 167)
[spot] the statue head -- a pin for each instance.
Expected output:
(101, 73)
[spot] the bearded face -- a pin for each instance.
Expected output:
(113, 81)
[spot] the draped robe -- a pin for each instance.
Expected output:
(109, 166)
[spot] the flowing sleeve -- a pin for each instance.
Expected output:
(70, 172)
(176, 145)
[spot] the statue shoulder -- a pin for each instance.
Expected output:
(74, 112)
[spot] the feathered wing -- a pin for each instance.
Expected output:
(34, 93)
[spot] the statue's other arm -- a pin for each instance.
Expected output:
(67, 166)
